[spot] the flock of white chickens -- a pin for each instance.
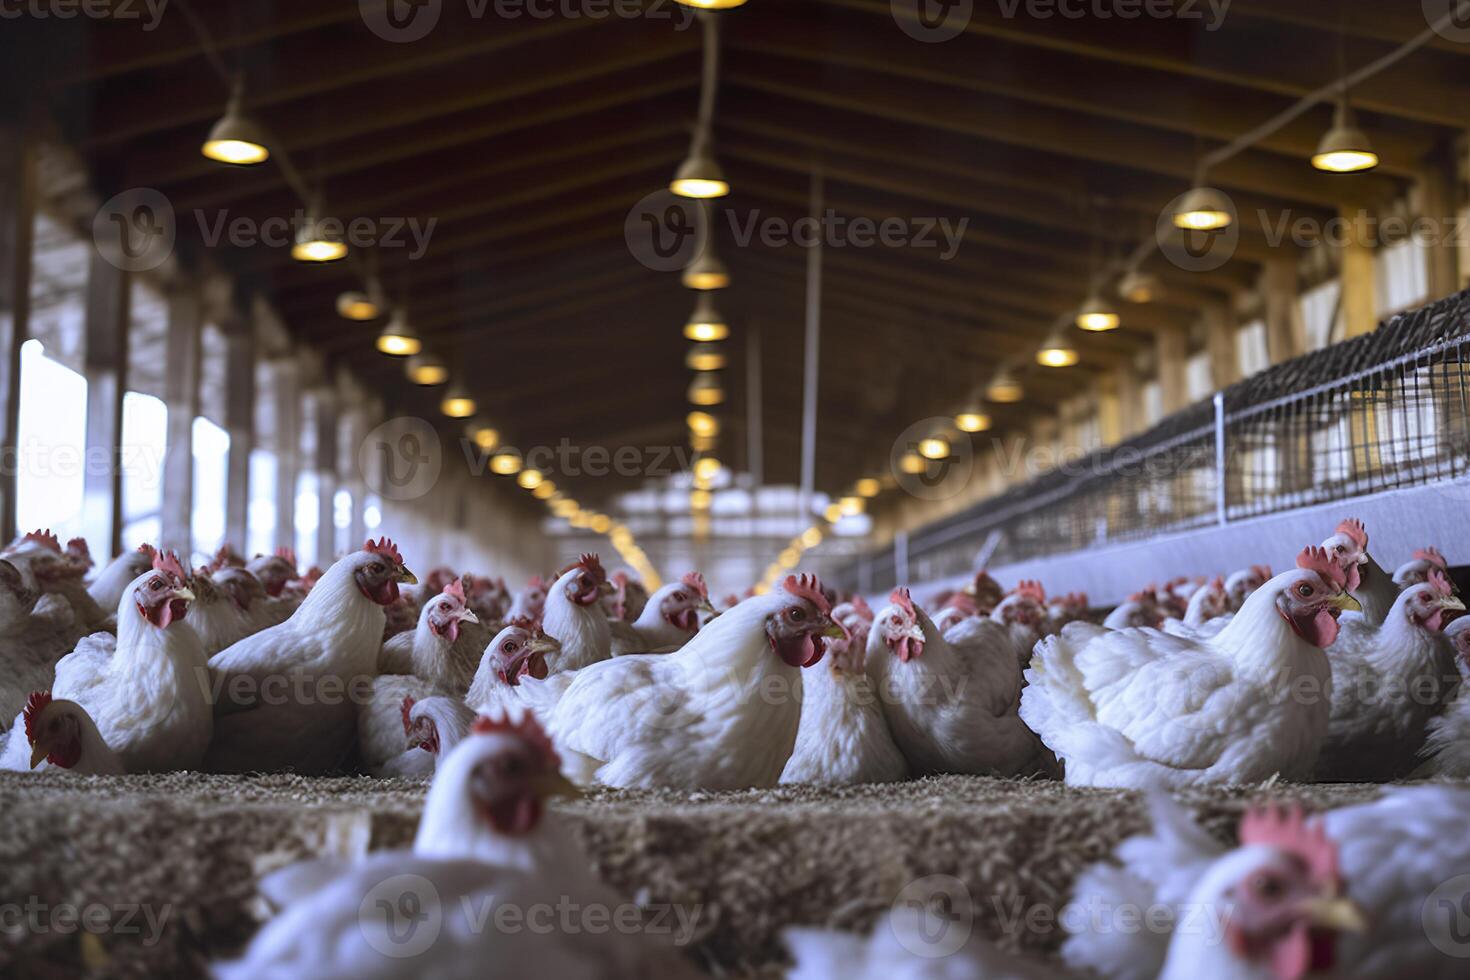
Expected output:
(1333, 670)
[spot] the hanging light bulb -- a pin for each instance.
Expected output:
(703, 424)
(530, 479)
(867, 487)
(457, 403)
(399, 339)
(707, 468)
(1057, 352)
(700, 499)
(713, 4)
(427, 369)
(1203, 209)
(1004, 389)
(912, 464)
(544, 490)
(851, 506)
(507, 462)
(934, 447)
(565, 507)
(357, 306)
(972, 420)
(315, 242)
(705, 357)
(700, 175)
(1345, 149)
(236, 138)
(483, 434)
(707, 271)
(701, 444)
(705, 389)
(1097, 315)
(1140, 287)
(705, 323)
(811, 537)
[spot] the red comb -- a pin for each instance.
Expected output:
(168, 563)
(384, 547)
(148, 550)
(808, 587)
(456, 589)
(1031, 589)
(532, 626)
(1432, 555)
(1218, 583)
(861, 607)
(1318, 560)
(589, 563)
(528, 729)
(1354, 529)
(408, 704)
(696, 582)
(620, 578)
(537, 582)
(1289, 831)
(35, 704)
(900, 597)
(45, 538)
(287, 554)
(78, 548)
(964, 602)
(1441, 582)
(1263, 571)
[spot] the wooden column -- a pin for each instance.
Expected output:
(1286, 333)
(105, 366)
(1172, 349)
(1437, 204)
(181, 394)
(287, 404)
(240, 424)
(1109, 409)
(1220, 334)
(17, 222)
(326, 474)
(1359, 281)
(362, 422)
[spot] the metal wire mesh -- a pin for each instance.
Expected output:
(1388, 409)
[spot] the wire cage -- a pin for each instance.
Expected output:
(1385, 410)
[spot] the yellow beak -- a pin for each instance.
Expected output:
(705, 606)
(39, 752)
(834, 632)
(555, 784)
(1345, 600)
(545, 644)
(185, 593)
(404, 575)
(1338, 914)
(1452, 602)
(606, 588)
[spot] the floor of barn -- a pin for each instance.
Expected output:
(172, 859)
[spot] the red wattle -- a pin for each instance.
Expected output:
(685, 619)
(796, 650)
(1319, 628)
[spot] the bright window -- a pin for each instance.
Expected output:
(144, 435)
(51, 447)
(307, 517)
(211, 462)
(260, 533)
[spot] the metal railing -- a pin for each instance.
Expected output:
(1385, 410)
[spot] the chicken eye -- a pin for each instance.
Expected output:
(1304, 590)
(679, 597)
(796, 613)
(155, 583)
(1341, 548)
(1267, 886)
(511, 646)
(376, 568)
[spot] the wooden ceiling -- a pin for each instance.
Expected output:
(528, 140)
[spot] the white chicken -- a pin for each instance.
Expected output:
(31, 640)
(437, 658)
(148, 688)
(720, 713)
(107, 588)
(432, 727)
(843, 737)
(1206, 614)
(1368, 583)
(852, 614)
(1387, 683)
(487, 598)
(1390, 856)
(486, 842)
(1417, 569)
(669, 618)
(1137, 707)
(46, 568)
(1139, 610)
(288, 694)
(574, 615)
(1023, 614)
(1446, 749)
(274, 571)
(529, 602)
(951, 700)
(57, 733)
(517, 652)
(1240, 584)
